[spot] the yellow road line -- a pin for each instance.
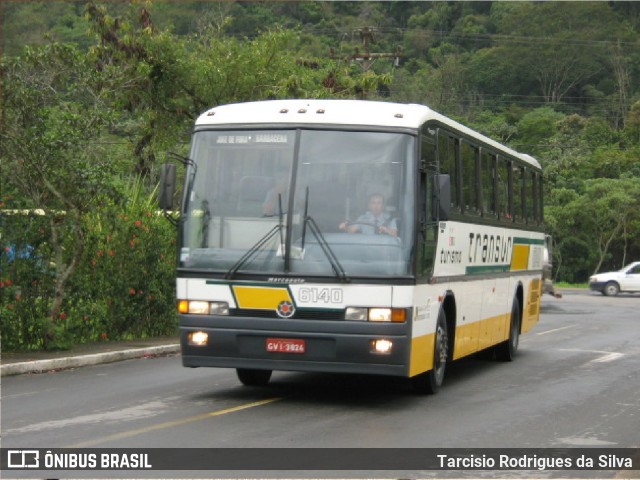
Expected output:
(173, 423)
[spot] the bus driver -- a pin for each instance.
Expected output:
(375, 220)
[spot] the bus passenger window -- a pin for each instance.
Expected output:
(539, 195)
(447, 154)
(535, 200)
(469, 178)
(518, 193)
(488, 184)
(502, 185)
(529, 190)
(426, 246)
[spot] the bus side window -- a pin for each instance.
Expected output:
(470, 178)
(518, 204)
(427, 234)
(448, 157)
(529, 193)
(502, 186)
(538, 194)
(489, 186)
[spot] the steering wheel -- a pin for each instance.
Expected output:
(376, 231)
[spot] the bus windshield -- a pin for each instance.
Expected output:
(300, 202)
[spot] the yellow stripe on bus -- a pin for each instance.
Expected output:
(421, 354)
(477, 336)
(520, 257)
(264, 298)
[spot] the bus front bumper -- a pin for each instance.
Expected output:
(295, 345)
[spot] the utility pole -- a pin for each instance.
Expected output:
(366, 58)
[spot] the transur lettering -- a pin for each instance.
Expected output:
(489, 248)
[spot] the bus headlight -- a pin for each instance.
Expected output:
(379, 314)
(199, 307)
(356, 313)
(218, 308)
(376, 314)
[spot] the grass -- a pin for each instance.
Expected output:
(571, 285)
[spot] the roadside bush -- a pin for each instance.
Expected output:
(123, 289)
(126, 286)
(26, 286)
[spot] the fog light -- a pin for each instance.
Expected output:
(198, 339)
(382, 345)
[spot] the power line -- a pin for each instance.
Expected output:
(496, 37)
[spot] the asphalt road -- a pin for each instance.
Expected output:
(575, 383)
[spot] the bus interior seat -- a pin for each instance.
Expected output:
(252, 192)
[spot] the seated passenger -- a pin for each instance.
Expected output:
(374, 221)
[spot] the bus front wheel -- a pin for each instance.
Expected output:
(253, 378)
(431, 381)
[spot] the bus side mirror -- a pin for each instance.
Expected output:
(167, 186)
(441, 197)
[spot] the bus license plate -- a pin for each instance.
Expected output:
(286, 345)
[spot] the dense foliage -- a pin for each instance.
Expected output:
(94, 95)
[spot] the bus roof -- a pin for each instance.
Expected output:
(340, 112)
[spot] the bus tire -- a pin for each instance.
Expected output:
(506, 351)
(253, 378)
(430, 382)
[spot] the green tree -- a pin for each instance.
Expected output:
(55, 106)
(588, 224)
(610, 206)
(632, 125)
(38, 23)
(536, 128)
(562, 44)
(172, 79)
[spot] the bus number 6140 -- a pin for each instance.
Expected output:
(320, 295)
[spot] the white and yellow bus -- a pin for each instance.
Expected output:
(280, 268)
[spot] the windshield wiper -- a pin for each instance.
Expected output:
(252, 251)
(206, 220)
(259, 244)
(326, 249)
(324, 245)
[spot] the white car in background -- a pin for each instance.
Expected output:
(611, 283)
